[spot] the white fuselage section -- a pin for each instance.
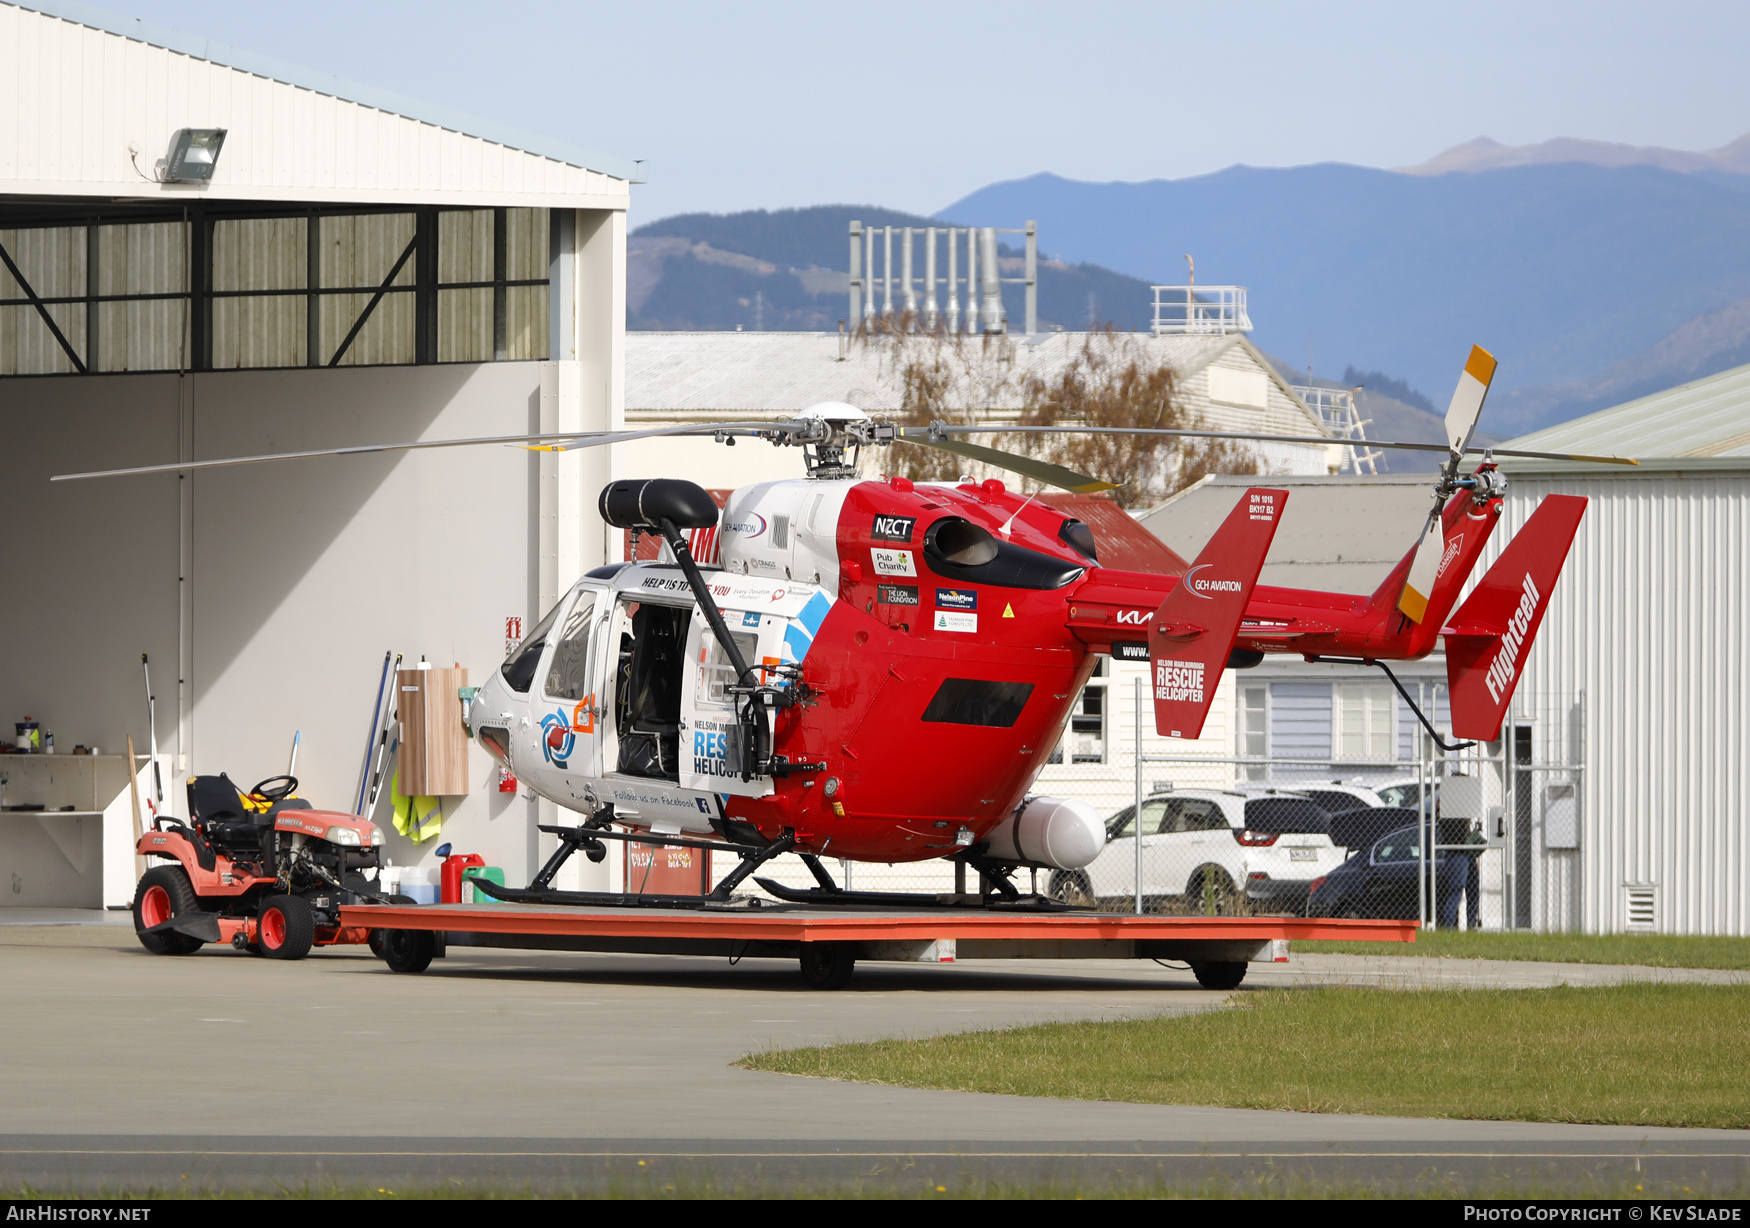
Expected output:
(618, 696)
(785, 531)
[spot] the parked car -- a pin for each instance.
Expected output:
(1405, 791)
(1380, 880)
(1354, 830)
(1220, 851)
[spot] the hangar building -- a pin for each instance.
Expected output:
(358, 268)
(1640, 673)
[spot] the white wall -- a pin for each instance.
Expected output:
(303, 572)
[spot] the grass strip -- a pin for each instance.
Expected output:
(1639, 1054)
(1645, 950)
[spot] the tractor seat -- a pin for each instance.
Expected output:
(228, 815)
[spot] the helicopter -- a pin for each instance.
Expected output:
(877, 670)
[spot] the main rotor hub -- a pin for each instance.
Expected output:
(832, 435)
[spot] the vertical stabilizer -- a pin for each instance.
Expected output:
(1489, 637)
(1192, 634)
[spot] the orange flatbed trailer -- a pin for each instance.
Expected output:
(829, 940)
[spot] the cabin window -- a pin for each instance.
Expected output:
(974, 701)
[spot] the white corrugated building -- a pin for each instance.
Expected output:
(1641, 673)
(358, 268)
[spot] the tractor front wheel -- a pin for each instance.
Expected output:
(286, 927)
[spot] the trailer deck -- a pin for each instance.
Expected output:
(829, 940)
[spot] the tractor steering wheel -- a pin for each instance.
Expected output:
(275, 788)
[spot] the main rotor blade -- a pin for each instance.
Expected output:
(557, 442)
(909, 432)
(1041, 471)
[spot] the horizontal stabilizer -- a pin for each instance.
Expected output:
(1489, 637)
(1192, 634)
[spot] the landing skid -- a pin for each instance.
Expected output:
(588, 837)
(609, 899)
(913, 900)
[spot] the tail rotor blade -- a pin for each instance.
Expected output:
(1419, 584)
(1467, 399)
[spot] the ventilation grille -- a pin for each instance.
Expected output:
(1642, 908)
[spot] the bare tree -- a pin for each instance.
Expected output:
(1110, 381)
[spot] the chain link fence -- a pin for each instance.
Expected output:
(1481, 837)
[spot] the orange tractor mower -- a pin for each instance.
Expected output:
(260, 869)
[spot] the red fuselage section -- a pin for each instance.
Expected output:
(937, 696)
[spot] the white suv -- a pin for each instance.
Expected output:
(1207, 850)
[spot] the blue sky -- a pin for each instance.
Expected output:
(913, 105)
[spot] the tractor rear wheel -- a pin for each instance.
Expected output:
(286, 927)
(164, 893)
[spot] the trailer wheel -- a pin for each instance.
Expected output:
(1071, 887)
(828, 965)
(165, 892)
(286, 927)
(375, 939)
(408, 950)
(1219, 974)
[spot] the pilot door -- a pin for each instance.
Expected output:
(709, 730)
(570, 705)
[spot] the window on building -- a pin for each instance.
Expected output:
(1254, 729)
(1085, 739)
(1365, 721)
(221, 286)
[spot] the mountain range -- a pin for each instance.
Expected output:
(1595, 272)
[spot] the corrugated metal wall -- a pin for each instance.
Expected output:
(53, 263)
(261, 330)
(1647, 629)
(142, 258)
(1300, 720)
(359, 251)
(72, 98)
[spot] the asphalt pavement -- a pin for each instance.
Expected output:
(549, 1072)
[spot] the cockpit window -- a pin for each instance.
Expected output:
(568, 676)
(519, 668)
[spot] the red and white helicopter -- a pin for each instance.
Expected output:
(876, 670)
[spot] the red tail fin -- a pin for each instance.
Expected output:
(1192, 634)
(1490, 635)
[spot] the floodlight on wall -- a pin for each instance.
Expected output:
(194, 152)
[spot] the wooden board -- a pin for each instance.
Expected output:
(434, 745)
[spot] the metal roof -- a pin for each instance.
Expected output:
(1339, 534)
(335, 87)
(748, 372)
(1704, 418)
